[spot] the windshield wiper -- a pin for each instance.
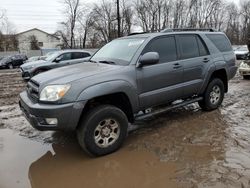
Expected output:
(93, 61)
(108, 62)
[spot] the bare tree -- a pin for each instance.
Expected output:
(85, 24)
(72, 12)
(33, 43)
(99, 25)
(245, 15)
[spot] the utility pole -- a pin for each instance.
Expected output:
(118, 18)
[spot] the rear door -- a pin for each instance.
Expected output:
(195, 58)
(160, 83)
(78, 57)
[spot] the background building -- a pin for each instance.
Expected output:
(35, 39)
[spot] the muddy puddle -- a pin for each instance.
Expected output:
(182, 148)
(26, 163)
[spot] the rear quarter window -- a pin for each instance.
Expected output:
(220, 41)
(79, 55)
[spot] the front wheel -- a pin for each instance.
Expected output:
(102, 130)
(213, 95)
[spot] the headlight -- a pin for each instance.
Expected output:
(53, 92)
(244, 65)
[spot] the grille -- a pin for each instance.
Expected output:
(33, 90)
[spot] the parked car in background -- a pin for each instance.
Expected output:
(241, 52)
(12, 61)
(4, 62)
(54, 60)
(34, 58)
(244, 68)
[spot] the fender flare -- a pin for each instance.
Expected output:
(219, 65)
(111, 87)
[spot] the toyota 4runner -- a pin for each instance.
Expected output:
(126, 77)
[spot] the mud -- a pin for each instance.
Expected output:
(182, 148)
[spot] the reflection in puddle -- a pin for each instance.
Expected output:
(70, 167)
(16, 155)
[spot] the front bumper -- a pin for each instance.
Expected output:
(244, 71)
(241, 56)
(25, 74)
(67, 115)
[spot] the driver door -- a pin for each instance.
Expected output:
(160, 83)
(63, 59)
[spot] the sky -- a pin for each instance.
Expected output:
(42, 14)
(28, 14)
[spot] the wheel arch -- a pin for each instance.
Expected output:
(118, 93)
(220, 73)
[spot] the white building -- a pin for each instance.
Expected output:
(44, 40)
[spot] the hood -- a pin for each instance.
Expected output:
(28, 65)
(71, 73)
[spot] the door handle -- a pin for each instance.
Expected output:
(205, 60)
(177, 66)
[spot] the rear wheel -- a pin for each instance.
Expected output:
(10, 66)
(102, 130)
(213, 95)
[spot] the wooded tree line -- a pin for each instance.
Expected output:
(96, 24)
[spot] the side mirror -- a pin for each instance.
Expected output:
(58, 59)
(149, 58)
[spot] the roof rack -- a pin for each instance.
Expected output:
(188, 29)
(136, 33)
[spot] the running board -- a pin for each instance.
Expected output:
(171, 107)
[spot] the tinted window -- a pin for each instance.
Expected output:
(66, 56)
(78, 55)
(166, 47)
(221, 42)
(189, 46)
(202, 48)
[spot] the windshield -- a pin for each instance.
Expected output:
(51, 56)
(118, 51)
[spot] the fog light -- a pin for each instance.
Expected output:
(51, 121)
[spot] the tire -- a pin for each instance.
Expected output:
(213, 96)
(95, 133)
(246, 77)
(10, 66)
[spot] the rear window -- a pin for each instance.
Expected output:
(220, 41)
